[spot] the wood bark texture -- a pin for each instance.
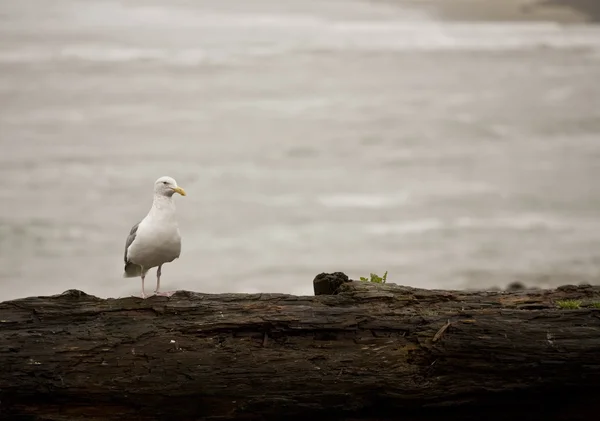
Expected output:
(377, 352)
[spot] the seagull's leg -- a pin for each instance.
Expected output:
(158, 273)
(165, 294)
(143, 276)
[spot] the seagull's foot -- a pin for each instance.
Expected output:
(165, 294)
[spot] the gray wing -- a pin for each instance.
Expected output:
(130, 238)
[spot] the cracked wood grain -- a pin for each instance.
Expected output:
(366, 352)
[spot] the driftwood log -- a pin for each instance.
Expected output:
(359, 351)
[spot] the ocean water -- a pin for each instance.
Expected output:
(310, 136)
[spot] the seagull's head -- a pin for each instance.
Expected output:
(167, 186)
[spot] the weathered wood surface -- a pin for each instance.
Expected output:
(369, 352)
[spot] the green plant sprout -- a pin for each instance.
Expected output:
(375, 278)
(569, 304)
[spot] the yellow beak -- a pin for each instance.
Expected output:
(179, 190)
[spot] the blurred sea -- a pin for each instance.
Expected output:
(311, 136)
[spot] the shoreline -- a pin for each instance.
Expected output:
(557, 11)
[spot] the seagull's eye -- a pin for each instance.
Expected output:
(164, 182)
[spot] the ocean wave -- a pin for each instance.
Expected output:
(332, 37)
(367, 201)
(433, 36)
(517, 222)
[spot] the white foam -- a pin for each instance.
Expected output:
(517, 222)
(368, 201)
(412, 227)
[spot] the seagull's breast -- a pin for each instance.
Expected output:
(157, 241)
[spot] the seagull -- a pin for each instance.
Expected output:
(155, 240)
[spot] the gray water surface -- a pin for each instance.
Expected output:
(310, 136)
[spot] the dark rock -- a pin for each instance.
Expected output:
(516, 286)
(567, 288)
(329, 283)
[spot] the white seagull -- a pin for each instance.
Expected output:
(155, 240)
